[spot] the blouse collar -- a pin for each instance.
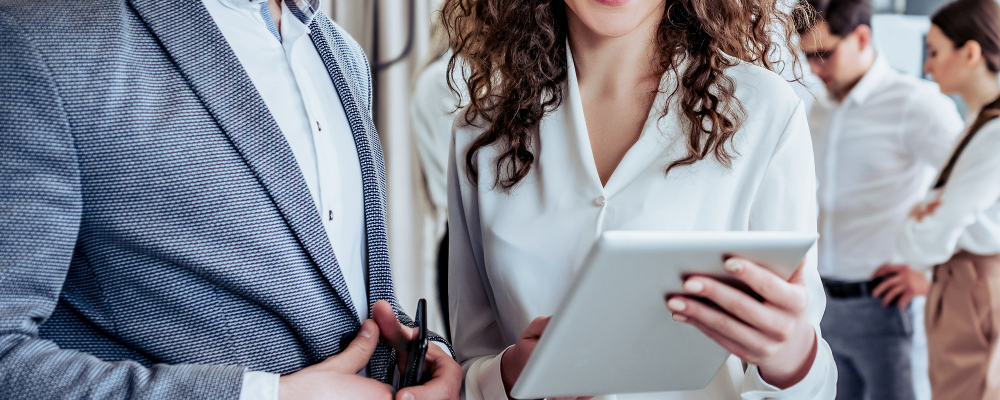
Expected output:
(649, 151)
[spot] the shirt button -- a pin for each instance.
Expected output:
(599, 201)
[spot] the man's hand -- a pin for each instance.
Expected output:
(337, 377)
(516, 356)
(922, 210)
(445, 373)
(774, 335)
(901, 285)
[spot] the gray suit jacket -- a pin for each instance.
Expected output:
(157, 237)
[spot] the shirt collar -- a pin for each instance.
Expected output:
(870, 82)
(303, 10)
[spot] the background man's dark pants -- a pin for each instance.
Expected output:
(871, 345)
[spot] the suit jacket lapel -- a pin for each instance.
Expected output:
(350, 76)
(201, 52)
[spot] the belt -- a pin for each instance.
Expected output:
(840, 289)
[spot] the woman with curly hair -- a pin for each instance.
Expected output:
(593, 115)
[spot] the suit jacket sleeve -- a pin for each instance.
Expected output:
(40, 217)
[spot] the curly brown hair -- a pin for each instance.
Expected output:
(515, 63)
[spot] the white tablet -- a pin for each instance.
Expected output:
(613, 333)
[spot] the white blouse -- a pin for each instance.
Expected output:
(513, 256)
(969, 215)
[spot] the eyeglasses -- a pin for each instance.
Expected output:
(821, 56)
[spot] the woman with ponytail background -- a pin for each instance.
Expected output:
(593, 115)
(957, 230)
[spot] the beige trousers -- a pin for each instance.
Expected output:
(963, 320)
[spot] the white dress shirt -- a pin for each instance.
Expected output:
(876, 152)
(513, 256)
(969, 215)
(299, 92)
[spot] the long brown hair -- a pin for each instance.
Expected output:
(979, 20)
(514, 52)
(962, 21)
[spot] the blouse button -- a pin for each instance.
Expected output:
(599, 201)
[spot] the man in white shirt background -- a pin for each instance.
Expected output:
(878, 136)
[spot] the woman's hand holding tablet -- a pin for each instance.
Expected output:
(517, 355)
(612, 334)
(772, 331)
(773, 334)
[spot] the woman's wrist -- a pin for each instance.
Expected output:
(506, 376)
(787, 371)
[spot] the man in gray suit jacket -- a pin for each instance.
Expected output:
(169, 226)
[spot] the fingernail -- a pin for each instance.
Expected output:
(732, 266)
(407, 396)
(693, 286)
(676, 304)
(680, 318)
(367, 329)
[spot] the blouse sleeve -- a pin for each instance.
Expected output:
(477, 338)
(971, 189)
(786, 201)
